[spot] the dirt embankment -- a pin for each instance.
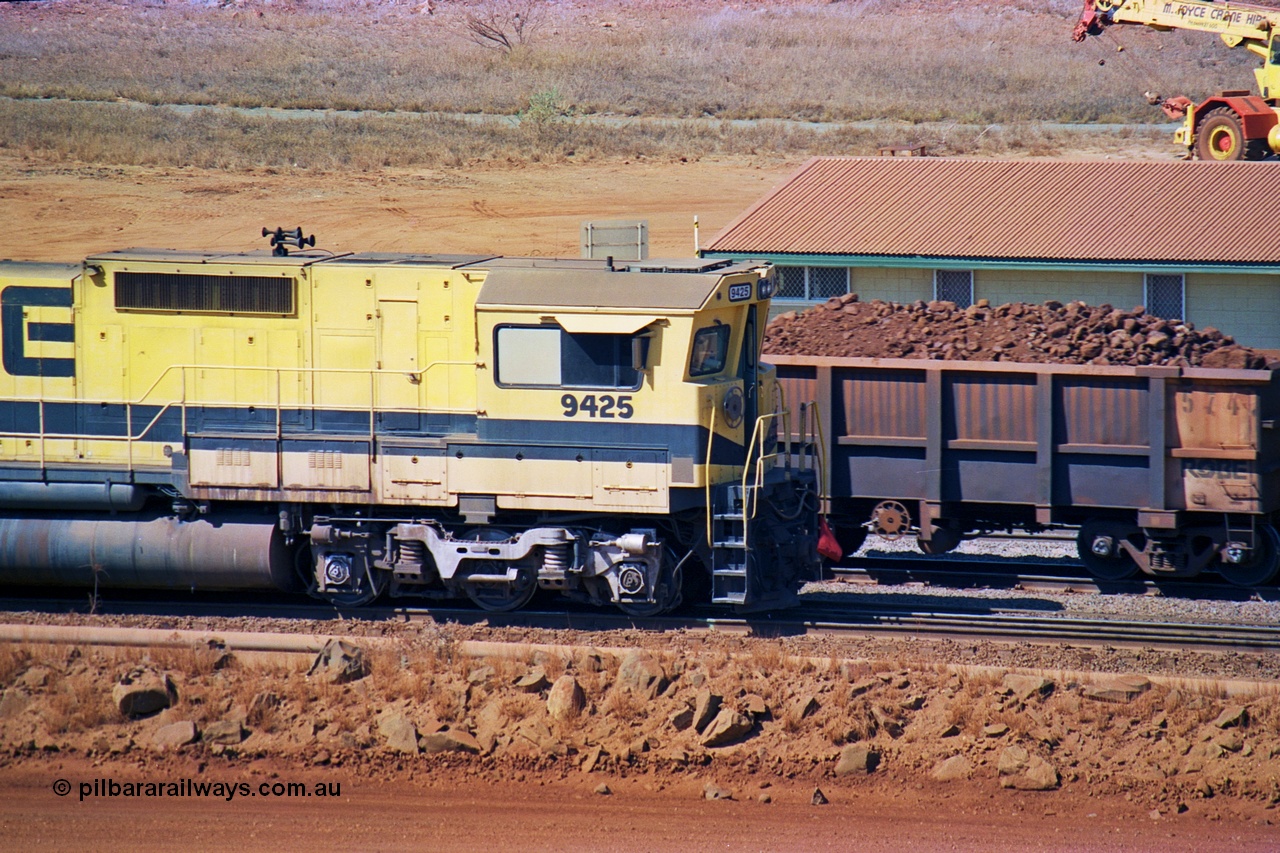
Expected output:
(726, 719)
(1074, 333)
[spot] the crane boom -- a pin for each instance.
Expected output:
(1235, 22)
(1233, 125)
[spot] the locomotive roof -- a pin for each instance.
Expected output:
(38, 269)
(685, 284)
(296, 257)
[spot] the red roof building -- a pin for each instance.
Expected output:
(1194, 240)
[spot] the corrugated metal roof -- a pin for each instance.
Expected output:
(1182, 211)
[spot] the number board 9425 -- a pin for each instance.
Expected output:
(597, 406)
(739, 292)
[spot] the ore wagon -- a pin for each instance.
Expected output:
(1169, 471)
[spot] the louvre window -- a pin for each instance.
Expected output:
(204, 294)
(1165, 296)
(812, 283)
(953, 286)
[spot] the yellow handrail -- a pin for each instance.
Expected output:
(183, 402)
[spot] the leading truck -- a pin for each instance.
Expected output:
(1231, 125)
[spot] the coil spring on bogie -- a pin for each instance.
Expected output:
(413, 551)
(555, 558)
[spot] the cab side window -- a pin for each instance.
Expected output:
(710, 345)
(550, 357)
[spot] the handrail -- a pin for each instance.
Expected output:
(183, 402)
(706, 473)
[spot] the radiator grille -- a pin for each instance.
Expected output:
(204, 294)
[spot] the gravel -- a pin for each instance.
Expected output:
(1154, 606)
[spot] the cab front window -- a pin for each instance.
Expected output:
(709, 348)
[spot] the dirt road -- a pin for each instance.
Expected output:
(63, 213)
(449, 812)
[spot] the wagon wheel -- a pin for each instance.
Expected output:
(1099, 546)
(942, 540)
(1262, 565)
(503, 597)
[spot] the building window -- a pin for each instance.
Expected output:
(812, 283)
(1166, 296)
(953, 286)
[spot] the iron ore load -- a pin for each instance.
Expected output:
(1156, 442)
(416, 425)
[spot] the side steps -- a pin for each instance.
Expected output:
(730, 583)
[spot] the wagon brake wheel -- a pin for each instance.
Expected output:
(1263, 563)
(889, 520)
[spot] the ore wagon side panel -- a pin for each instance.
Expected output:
(1059, 440)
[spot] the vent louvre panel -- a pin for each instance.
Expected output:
(204, 294)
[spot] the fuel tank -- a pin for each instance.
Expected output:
(231, 552)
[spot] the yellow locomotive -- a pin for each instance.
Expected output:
(434, 425)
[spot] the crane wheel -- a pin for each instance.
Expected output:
(1220, 137)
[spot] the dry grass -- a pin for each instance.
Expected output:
(192, 662)
(819, 61)
(14, 660)
(840, 62)
(624, 708)
(77, 706)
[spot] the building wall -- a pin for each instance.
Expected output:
(1120, 289)
(892, 284)
(1247, 307)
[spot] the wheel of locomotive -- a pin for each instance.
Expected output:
(1220, 136)
(1099, 546)
(941, 540)
(1263, 564)
(361, 590)
(504, 597)
(668, 592)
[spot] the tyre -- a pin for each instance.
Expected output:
(1220, 137)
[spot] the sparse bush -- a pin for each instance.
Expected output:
(504, 25)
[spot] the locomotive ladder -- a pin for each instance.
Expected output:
(731, 509)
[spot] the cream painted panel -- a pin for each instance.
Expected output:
(1121, 290)
(1247, 307)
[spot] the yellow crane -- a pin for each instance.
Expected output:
(1231, 125)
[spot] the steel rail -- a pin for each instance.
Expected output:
(813, 618)
(1030, 575)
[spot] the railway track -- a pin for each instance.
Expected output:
(1034, 575)
(956, 618)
